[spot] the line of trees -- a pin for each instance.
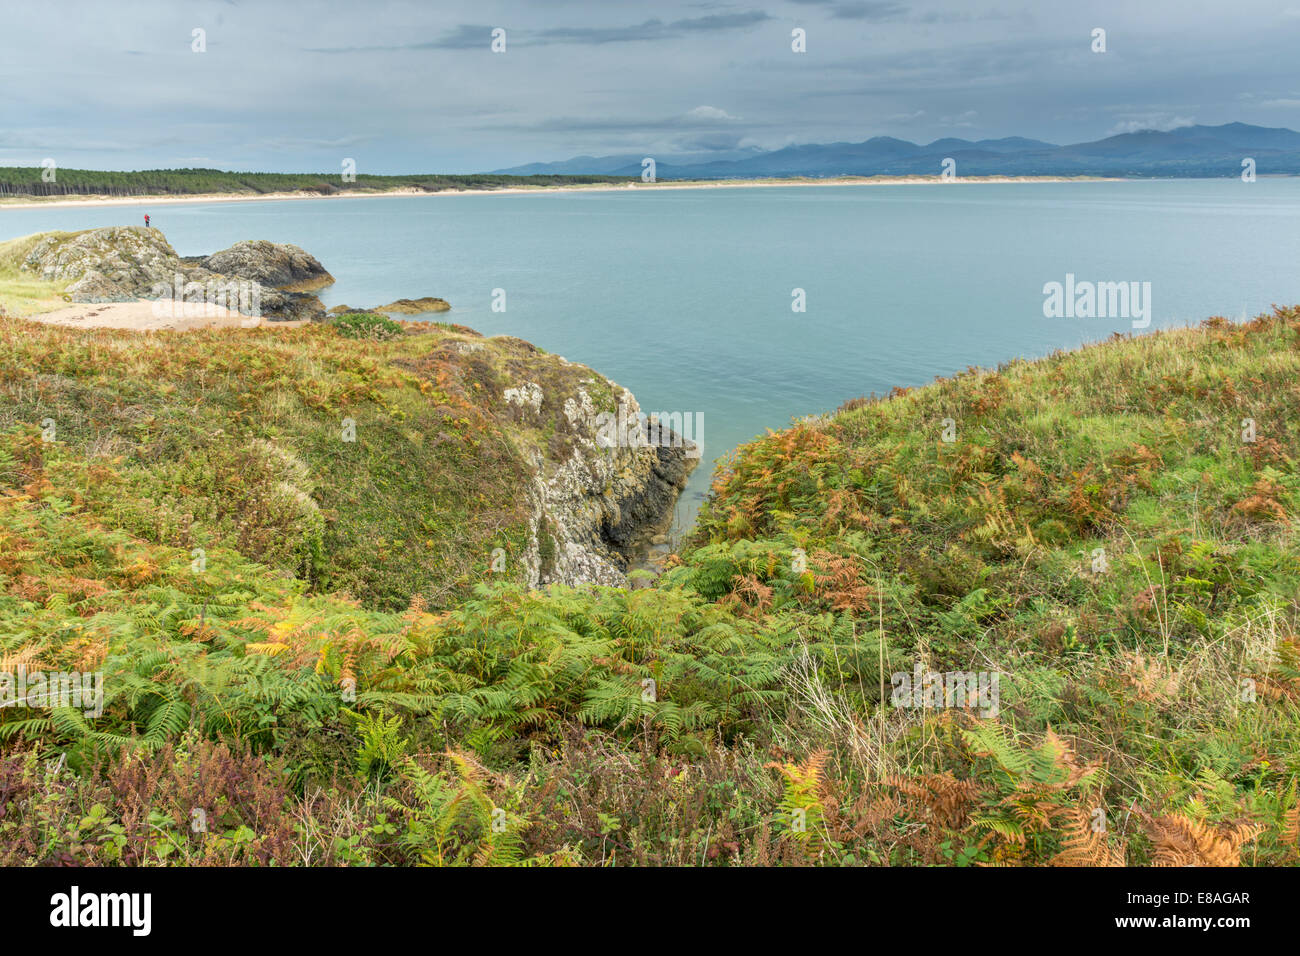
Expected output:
(31, 181)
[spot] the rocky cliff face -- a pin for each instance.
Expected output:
(604, 482)
(600, 506)
(124, 263)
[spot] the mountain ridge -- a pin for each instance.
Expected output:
(1186, 151)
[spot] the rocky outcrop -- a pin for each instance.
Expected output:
(117, 264)
(415, 306)
(605, 480)
(603, 507)
(292, 306)
(278, 265)
(126, 263)
(646, 510)
(598, 481)
(400, 307)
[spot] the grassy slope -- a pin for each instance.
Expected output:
(20, 294)
(1122, 691)
(236, 439)
(980, 552)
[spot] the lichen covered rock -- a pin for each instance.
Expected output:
(595, 503)
(276, 264)
(116, 264)
(415, 306)
(603, 505)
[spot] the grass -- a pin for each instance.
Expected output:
(20, 293)
(242, 440)
(1111, 531)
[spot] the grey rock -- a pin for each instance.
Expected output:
(419, 306)
(275, 264)
(280, 306)
(106, 265)
(601, 506)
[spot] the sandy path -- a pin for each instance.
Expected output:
(141, 317)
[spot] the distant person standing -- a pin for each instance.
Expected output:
(146, 220)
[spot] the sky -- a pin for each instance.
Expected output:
(405, 87)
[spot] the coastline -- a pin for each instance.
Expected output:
(163, 200)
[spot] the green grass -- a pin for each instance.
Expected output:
(238, 440)
(20, 293)
(364, 325)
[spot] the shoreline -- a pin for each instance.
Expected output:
(670, 185)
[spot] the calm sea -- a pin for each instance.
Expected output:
(685, 297)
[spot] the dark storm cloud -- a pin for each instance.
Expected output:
(652, 29)
(868, 11)
(701, 116)
(467, 37)
(878, 10)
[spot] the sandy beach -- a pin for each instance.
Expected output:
(140, 316)
(534, 190)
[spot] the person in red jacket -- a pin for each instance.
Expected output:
(146, 220)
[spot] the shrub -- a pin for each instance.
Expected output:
(366, 325)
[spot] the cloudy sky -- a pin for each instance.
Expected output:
(415, 87)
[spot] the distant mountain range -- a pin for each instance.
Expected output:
(1187, 151)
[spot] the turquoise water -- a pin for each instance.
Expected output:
(684, 296)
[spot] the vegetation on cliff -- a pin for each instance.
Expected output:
(386, 468)
(1110, 531)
